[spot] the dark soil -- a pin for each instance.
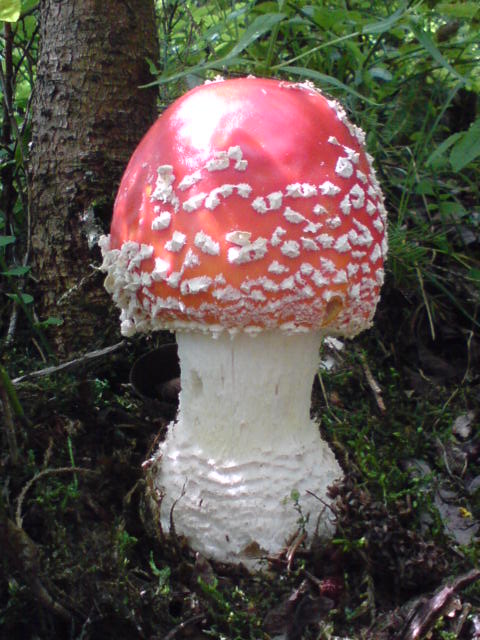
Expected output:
(82, 558)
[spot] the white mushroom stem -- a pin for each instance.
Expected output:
(242, 443)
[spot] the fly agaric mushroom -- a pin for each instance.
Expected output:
(250, 222)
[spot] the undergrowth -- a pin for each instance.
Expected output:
(74, 521)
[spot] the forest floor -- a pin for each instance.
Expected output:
(82, 558)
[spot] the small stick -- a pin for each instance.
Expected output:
(324, 391)
(428, 612)
(373, 384)
(293, 548)
(71, 364)
(173, 531)
(20, 549)
(325, 397)
(426, 303)
(183, 625)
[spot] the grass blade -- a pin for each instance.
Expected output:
(467, 148)
(258, 28)
(429, 46)
(323, 79)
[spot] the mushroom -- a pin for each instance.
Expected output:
(250, 222)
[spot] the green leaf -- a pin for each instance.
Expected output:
(321, 78)
(10, 10)
(12, 394)
(26, 298)
(326, 17)
(258, 28)
(28, 5)
(23, 92)
(452, 209)
(440, 150)
(380, 73)
(4, 240)
(427, 43)
(474, 274)
(384, 25)
(458, 9)
(16, 271)
(467, 148)
(425, 187)
(51, 321)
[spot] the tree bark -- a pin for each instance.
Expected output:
(89, 114)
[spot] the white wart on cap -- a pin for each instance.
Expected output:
(251, 204)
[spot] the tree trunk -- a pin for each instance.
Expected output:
(89, 114)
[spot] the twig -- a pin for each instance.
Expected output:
(48, 602)
(20, 549)
(39, 349)
(71, 364)
(426, 303)
(182, 626)
(324, 391)
(325, 397)
(373, 384)
(42, 474)
(19, 299)
(293, 548)
(326, 504)
(12, 325)
(428, 612)
(471, 336)
(462, 618)
(173, 532)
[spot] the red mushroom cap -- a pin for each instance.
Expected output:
(250, 204)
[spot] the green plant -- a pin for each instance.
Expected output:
(402, 69)
(17, 75)
(302, 518)
(57, 495)
(124, 544)
(229, 612)
(163, 588)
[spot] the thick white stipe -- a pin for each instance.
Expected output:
(242, 443)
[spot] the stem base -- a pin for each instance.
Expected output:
(240, 465)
